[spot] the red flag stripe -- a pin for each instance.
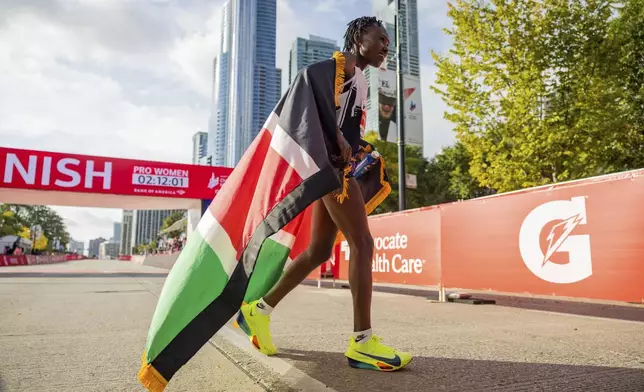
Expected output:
(302, 232)
(233, 201)
(274, 165)
(276, 181)
(241, 212)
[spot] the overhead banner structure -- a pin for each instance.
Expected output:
(51, 171)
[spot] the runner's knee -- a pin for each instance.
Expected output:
(318, 254)
(362, 245)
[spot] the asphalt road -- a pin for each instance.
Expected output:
(81, 326)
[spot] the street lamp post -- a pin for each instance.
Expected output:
(400, 112)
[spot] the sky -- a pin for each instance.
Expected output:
(132, 78)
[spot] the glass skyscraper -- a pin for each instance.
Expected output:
(386, 11)
(199, 146)
(381, 101)
(146, 225)
(305, 52)
(246, 83)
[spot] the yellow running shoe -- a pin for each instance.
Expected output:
(376, 356)
(257, 326)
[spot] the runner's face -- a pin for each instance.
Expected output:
(374, 45)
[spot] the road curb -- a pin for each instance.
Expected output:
(272, 373)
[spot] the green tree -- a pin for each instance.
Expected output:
(450, 175)
(52, 224)
(537, 92)
(444, 178)
(10, 223)
(172, 219)
(628, 33)
(415, 164)
(41, 243)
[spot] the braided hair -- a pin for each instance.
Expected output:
(356, 28)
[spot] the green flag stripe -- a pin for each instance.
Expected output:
(207, 276)
(215, 235)
(268, 269)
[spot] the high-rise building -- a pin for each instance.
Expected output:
(108, 250)
(246, 83)
(126, 232)
(206, 161)
(386, 11)
(381, 101)
(305, 52)
(146, 225)
(116, 234)
(199, 146)
(94, 246)
(77, 247)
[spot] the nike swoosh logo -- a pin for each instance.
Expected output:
(395, 361)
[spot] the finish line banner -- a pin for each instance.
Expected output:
(50, 171)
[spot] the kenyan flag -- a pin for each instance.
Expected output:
(258, 222)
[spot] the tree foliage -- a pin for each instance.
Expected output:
(444, 178)
(41, 242)
(542, 91)
(19, 220)
(172, 219)
(628, 31)
(10, 224)
(140, 249)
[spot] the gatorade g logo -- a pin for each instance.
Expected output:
(570, 213)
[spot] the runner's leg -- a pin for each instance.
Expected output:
(329, 215)
(323, 234)
(351, 218)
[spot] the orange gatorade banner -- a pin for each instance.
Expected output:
(406, 248)
(582, 239)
